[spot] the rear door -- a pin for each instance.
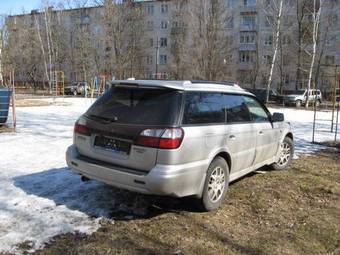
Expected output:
(117, 119)
(240, 132)
(267, 135)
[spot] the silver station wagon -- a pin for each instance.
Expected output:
(178, 138)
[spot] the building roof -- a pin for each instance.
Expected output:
(230, 87)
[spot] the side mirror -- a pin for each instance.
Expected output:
(278, 117)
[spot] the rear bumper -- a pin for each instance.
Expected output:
(173, 180)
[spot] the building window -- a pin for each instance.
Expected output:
(246, 37)
(150, 25)
(164, 8)
(269, 21)
(230, 22)
(248, 21)
(330, 60)
(286, 39)
(149, 60)
(163, 59)
(229, 39)
(246, 56)
(249, 2)
(286, 79)
(231, 3)
(164, 42)
(164, 25)
(330, 40)
(268, 59)
(268, 40)
(288, 20)
(150, 9)
(151, 42)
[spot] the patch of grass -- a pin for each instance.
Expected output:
(279, 212)
(5, 129)
(31, 103)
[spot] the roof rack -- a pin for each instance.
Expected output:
(228, 83)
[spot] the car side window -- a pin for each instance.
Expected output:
(257, 112)
(236, 109)
(203, 108)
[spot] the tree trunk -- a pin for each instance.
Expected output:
(316, 21)
(277, 37)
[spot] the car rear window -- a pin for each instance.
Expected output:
(138, 106)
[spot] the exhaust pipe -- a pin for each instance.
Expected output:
(84, 179)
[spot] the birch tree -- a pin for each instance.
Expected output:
(42, 47)
(316, 23)
(276, 44)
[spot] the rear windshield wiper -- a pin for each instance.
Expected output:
(109, 120)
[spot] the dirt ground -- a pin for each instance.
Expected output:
(270, 212)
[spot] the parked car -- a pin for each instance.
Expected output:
(178, 138)
(76, 88)
(299, 97)
(261, 94)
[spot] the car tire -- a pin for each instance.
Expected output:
(216, 185)
(286, 154)
(298, 103)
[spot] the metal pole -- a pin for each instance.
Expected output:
(157, 53)
(334, 98)
(14, 116)
(337, 122)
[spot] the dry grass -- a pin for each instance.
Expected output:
(31, 103)
(279, 212)
(5, 129)
(37, 103)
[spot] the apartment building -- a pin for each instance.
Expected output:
(249, 28)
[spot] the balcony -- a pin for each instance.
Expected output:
(250, 28)
(249, 9)
(178, 30)
(247, 47)
(246, 65)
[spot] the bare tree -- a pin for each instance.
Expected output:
(179, 38)
(317, 8)
(208, 44)
(123, 38)
(302, 32)
(278, 7)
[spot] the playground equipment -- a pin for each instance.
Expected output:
(58, 83)
(99, 85)
(335, 105)
(7, 102)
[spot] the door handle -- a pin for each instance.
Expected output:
(260, 132)
(232, 137)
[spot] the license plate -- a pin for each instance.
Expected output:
(112, 144)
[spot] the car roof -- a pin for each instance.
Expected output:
(211, 86)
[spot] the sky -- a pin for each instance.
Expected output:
(16, 6)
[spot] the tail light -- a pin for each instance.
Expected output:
(81, 129)
(169, 138)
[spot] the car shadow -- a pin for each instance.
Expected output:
(97, 199)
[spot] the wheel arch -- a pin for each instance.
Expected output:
(226, 156)
(290, 135)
